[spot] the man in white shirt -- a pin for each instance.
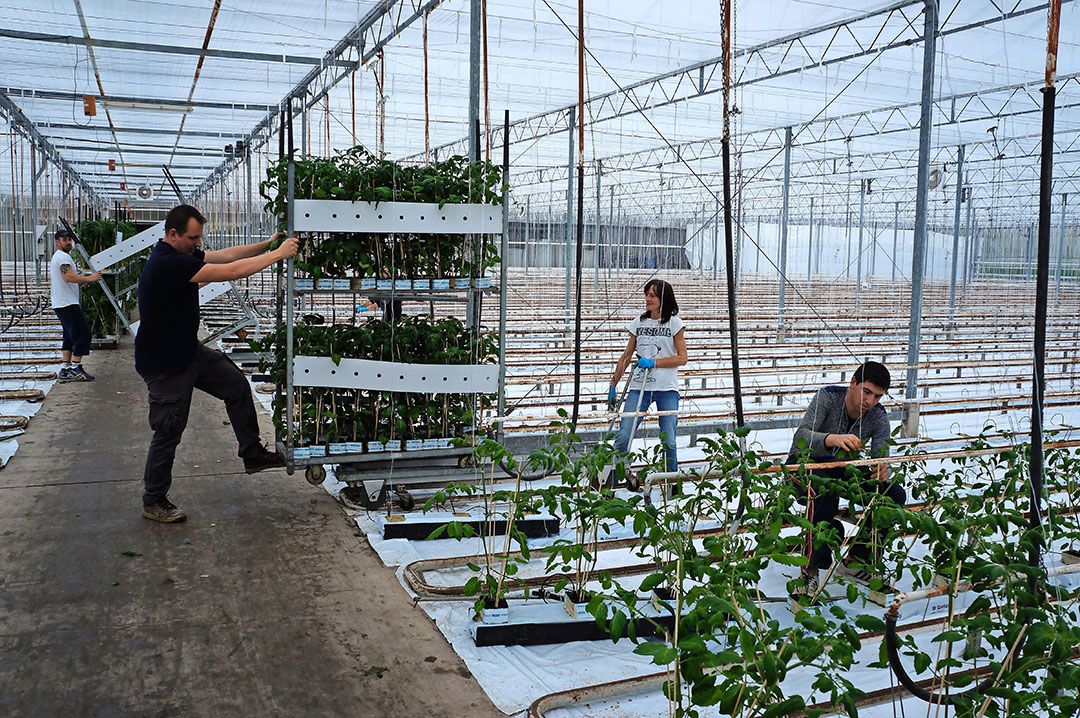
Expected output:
(64, 281)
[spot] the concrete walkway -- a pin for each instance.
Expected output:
(264, 602)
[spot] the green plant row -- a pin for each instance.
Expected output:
(329, 415)
(730, 653)
(96, 236)
(357, 175)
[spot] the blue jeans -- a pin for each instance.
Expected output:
(665, 401)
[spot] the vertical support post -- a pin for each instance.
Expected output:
(1042, 286)
(504, 251)
(613, 247)
(757, 247)
(784, 211)
(847, 236)
(715, 243)
(975, 239)
(34, 240)
(1061, 245)
(895, 236)
(596, 243)
(568, 258)
(918, 269)
(290, 288)
(810, 243)
(249, 214)
(729, 234)
(956, 237)
(1029, 253)
(858, 259)
(969, 242)
(474, 80)
(304, 149)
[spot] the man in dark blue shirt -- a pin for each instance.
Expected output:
(173, 362)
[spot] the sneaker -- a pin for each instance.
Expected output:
(878, 590)
(262, 461)
(806, 591)
(858, 575)
(164, 511)
(80, 374)
(64, 374)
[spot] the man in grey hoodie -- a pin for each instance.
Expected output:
(838, 424)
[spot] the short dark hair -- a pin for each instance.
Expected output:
(178, 217)
(874, 372)
(666, 294)
(62, 232)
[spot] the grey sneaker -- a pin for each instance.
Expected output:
(165, 512)
(80, 374)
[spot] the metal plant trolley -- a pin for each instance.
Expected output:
(375, 472)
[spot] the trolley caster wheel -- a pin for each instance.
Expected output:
(466, 461)
(358, 496)
(405, 500)
(315, 474)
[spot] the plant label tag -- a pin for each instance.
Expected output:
(316, 451)
(421, 284)
(495, 615)
(304, 285)
(339, 448)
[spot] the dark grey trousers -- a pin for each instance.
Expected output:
(170, 401)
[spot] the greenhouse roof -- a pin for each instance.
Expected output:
(176, 82)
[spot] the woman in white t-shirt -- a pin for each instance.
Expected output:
(657, 337)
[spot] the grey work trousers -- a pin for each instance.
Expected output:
(170, 401)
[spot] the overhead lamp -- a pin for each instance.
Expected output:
(148, 106)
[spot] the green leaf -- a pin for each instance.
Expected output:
(662, 654)
(788, 559)
(869, 623)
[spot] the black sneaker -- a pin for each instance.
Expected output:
(80, 374)
(165, 512)
(262, 461)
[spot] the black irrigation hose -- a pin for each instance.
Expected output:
(892, 648)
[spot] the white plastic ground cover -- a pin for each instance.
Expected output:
(515, 676)
(7, 450)
(9, 446)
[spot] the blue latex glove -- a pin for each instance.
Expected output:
(612, 401)
(645, 363)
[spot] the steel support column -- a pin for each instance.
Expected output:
(784, 209)
(810, 242)
(918, 271)
(568, 249)
(956, 236)
(862, 225)
(474, 92)
(1061, 245)
(596, 234)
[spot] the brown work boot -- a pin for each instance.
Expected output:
(164, 511)
(262, 461)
